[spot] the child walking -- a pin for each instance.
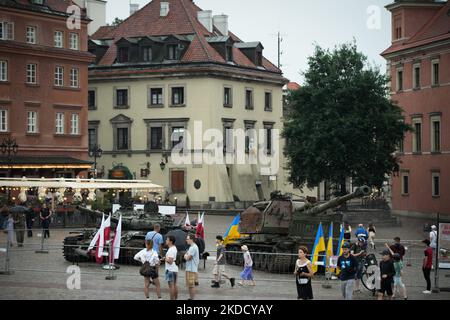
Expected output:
(247, 274)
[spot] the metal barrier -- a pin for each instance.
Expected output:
(12, 257)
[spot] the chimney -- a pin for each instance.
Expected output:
(134, 7)
(221, 23)
(205, 18)
(165, 7)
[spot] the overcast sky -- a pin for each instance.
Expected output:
(302, 23)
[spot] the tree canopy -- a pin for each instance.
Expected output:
(341, 123)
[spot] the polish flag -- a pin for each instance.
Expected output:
(104, 236)
(187, 223)
(116, 242)
(98, 242)
(201, 227)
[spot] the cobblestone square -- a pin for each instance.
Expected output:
(44, 276)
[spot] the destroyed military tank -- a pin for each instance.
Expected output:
(135, 225)
(275, 229)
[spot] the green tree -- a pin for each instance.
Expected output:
(116, 22)
(342, 123)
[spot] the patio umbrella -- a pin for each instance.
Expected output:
(180, 239)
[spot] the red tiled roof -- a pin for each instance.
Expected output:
(181, 20)
(103, 32)
(435, 29)
(293, 86)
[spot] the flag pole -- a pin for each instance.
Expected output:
(111, 265)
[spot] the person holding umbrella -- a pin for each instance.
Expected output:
(18, 214)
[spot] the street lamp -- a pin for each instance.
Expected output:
(95, 152)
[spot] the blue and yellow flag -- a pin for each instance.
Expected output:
(329, 246)
(319, 246)
(233, 231)
(341, 243)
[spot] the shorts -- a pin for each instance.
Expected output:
(190, 279)
(171, 276)
(386, 287)
(219, 269)
(398, 282)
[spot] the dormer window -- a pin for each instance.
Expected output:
(229, 53)
(124, 55)
(253, 51)
(172, 52)
(147, 54)
(259, 58)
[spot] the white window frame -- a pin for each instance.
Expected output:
(414, 146)
(74, 78)
(58, 39)
(3, 120)
(75, 124)
(59, 76)
(433, 189)
(3, 70)
(31, 34)
(74, 41)
(433, 120)
(433, 63)
(59, 123)
(32, 73)
(32, 122)
(7, 32)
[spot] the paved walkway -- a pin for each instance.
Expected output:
(43, 276)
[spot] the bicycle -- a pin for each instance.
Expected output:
(371, 273)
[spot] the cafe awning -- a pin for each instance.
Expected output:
(136, 185)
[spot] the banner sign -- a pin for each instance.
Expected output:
(444, 245)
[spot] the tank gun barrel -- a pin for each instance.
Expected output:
(360, 192)
(95, 213)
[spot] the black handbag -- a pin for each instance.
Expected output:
(146, 270)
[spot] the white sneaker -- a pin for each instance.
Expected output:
(426, 292)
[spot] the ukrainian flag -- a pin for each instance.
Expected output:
(319, 246)
(233, 231)
(341, 243)
(329, 245)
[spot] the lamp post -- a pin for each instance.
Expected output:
(95, 152)
(9, 147)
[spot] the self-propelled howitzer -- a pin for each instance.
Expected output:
(276, 229)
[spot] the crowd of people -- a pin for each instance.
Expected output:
(350, 265)
(158, 251)
(18, 219)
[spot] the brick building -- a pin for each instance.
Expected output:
(43, 89)
(419, 64)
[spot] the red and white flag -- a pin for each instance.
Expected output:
(106, 237)
(187, 223)
(201, 227)
(116, 242)
(98, 241)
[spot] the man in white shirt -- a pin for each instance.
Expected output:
(171, 267)
(192, 259)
